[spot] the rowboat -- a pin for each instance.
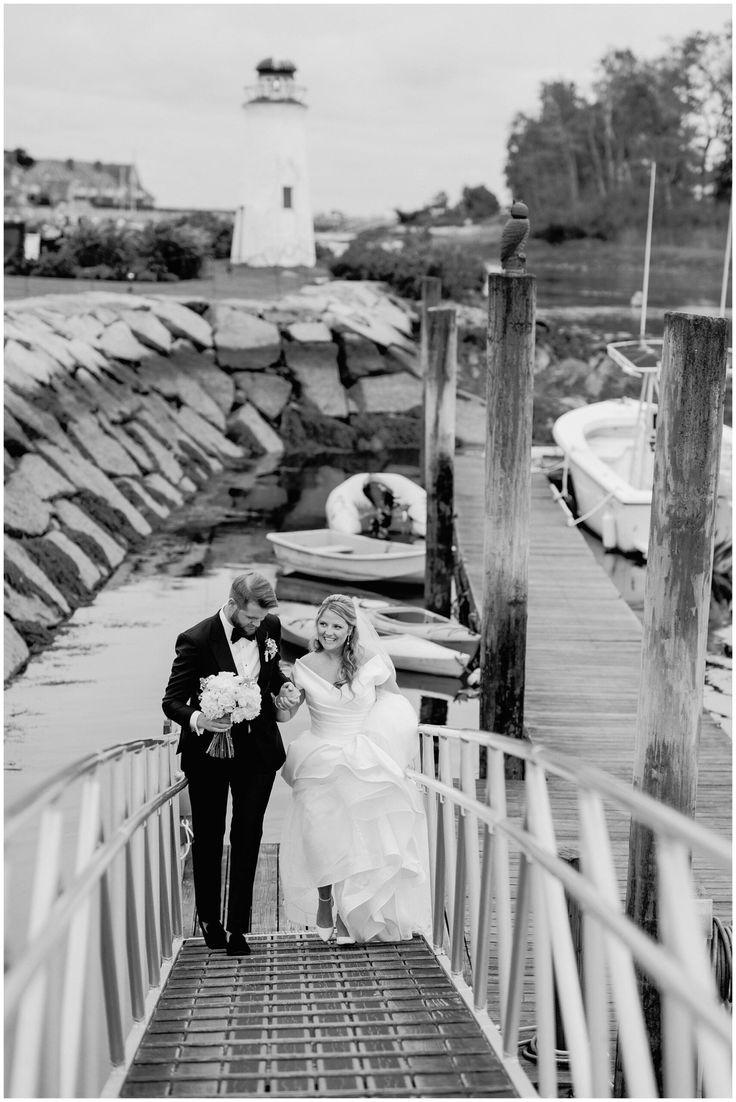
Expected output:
(391, 619)
(369, 501)
(608, 450)
(407, 652)
(342, 556)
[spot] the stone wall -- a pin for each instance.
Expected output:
(118, 407)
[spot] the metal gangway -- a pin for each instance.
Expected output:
(104, 996)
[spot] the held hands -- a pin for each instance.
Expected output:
(288, 698)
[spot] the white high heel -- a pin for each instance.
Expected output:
(343, 939)
(326, 932)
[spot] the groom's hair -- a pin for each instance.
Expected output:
(253, 587)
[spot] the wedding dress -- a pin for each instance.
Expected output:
(354, 820)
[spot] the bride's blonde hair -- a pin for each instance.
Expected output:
(352, 651)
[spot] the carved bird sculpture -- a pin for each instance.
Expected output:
(514, 238)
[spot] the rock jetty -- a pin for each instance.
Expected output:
(118, 407)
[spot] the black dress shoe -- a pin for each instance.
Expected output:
(214, 934)
(237, 946)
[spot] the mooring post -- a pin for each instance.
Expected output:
(509, 392)
(676, 604)
(439, 456)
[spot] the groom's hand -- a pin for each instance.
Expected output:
(204, 724)
(289, 696)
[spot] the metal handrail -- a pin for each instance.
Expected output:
(480, 931)
(100, 925)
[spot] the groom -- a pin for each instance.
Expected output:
(243, 637)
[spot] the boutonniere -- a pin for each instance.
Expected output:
(270, 648)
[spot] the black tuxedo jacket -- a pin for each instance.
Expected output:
(203, 650)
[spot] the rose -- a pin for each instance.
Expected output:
(270, 649)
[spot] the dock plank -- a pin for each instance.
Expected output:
(583, 666)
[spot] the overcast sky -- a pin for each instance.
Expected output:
(404, 100)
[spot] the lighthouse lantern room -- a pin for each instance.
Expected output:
(273, 222)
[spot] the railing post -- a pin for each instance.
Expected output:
(509, 390)
(677, 599)
(439, 456)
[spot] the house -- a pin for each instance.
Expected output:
(46, 183)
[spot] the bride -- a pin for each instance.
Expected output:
(354, 856)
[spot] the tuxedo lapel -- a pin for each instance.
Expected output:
(221, 647)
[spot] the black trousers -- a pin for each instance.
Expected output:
(209, 783)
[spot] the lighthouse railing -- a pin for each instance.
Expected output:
(93, 918)
(519, 922)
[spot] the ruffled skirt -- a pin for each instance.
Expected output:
(357, 823)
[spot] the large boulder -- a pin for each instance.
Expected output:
(387, 393)
(26, 369)
(104, 451)
(25, 569)
(89, 572)
(16, 653)
(315, 367)
(268, 392)
(243, 340)
(75, 519)
(86, 476)
(118, 343)
(202, 367)
(163, 460)
(26, 513)
(359, 357)
(148, 329)
(248, 427)
(44, 481)
(206, 435)
(182, 322)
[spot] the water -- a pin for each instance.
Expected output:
(101, 681)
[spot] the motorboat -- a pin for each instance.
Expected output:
(407, 652)
(343, 556)
(377, 502)
(390, 619)
(608, 450)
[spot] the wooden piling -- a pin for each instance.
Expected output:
(431, 296)
(677, 600)
(509, 392)
(439, 456)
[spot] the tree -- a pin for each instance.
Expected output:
(478, 203)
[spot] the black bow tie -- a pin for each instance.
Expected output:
(238, 633)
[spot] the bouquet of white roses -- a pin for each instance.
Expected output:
(227, 695)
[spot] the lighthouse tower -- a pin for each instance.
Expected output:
(273, 222)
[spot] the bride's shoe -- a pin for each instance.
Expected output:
(343, 937)
(326, 932)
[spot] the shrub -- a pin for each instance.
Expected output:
(461, 272)
(169, 249)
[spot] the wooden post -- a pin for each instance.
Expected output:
(676, 604)
(431, 296)
(439, 456)
(509, 389)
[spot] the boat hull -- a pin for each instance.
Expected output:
(409, 620)
(597, 442)
(324, 553)
(407, 652)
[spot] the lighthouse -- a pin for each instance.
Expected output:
(273, 222)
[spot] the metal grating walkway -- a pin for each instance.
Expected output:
(301, 1018)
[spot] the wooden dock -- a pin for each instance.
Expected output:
(583, 666)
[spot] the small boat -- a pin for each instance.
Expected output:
(407, 652)
(341, 556)
(420, 622)
(608, 450)
(377, 501)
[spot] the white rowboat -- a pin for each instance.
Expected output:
(348, 507)
(608, 450)
(407, 652)
(322, 553)
(421, 623)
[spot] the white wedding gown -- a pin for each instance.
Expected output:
(354, 820)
